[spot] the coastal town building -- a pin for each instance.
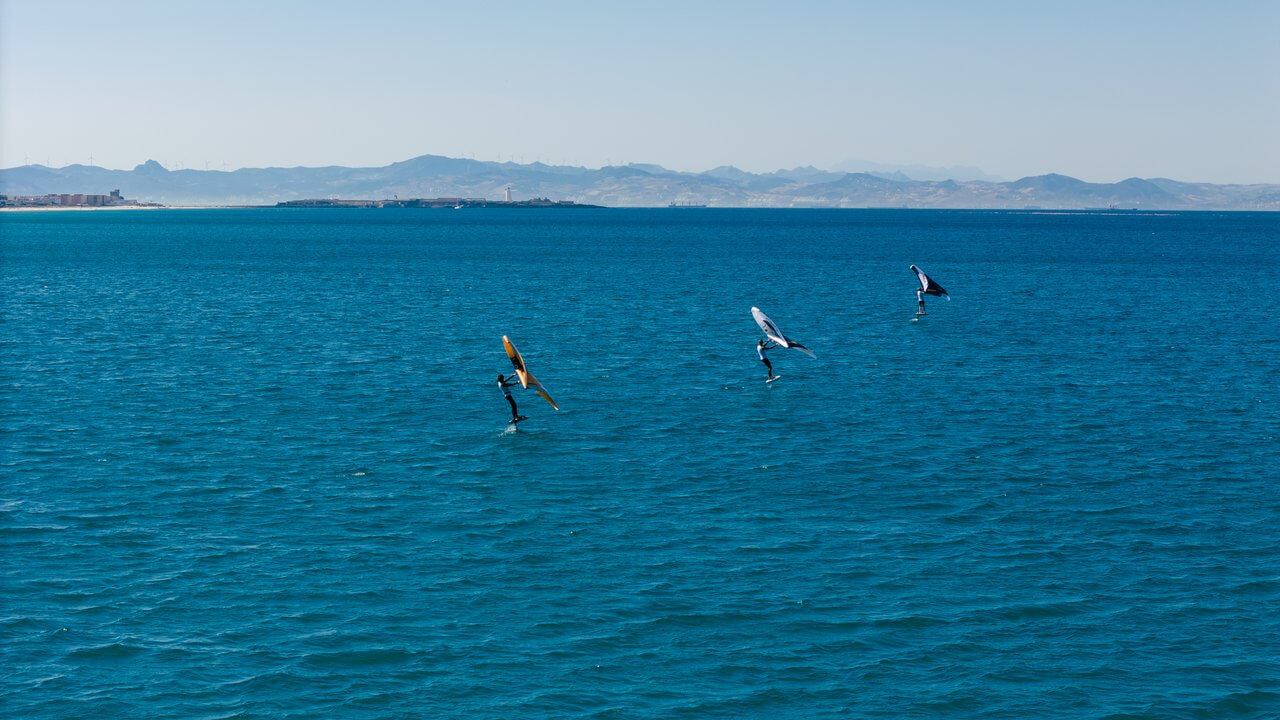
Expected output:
(64, 200)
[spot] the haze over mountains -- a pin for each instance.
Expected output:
(636, 185)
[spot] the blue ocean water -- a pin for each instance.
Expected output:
(255, 465)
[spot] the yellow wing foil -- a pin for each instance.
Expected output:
(517, 362)
(527, 380)
(538, 389)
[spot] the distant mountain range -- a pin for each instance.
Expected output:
(916, 172)
(630, 185)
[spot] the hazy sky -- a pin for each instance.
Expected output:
(1097, 90)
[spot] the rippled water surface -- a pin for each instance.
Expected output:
(253, 464)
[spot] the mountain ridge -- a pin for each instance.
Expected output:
(632, 185)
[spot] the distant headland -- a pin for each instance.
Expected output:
(455, 203)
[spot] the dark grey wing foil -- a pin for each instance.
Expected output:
(927, 285)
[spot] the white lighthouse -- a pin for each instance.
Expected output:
(506, 196)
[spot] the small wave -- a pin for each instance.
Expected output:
(1245, 704)
(111, 651)
(910, 622)
(736, 706)
(359, 658)
(21, 622)
(28, 530)
(1262, 586)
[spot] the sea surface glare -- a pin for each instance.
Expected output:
(255, 464)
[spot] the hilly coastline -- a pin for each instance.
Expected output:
(636, 185)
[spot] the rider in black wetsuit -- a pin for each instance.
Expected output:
(503, 384)
(763, 346)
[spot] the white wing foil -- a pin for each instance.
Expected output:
(770, 329)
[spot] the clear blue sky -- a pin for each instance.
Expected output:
(1098, 90)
